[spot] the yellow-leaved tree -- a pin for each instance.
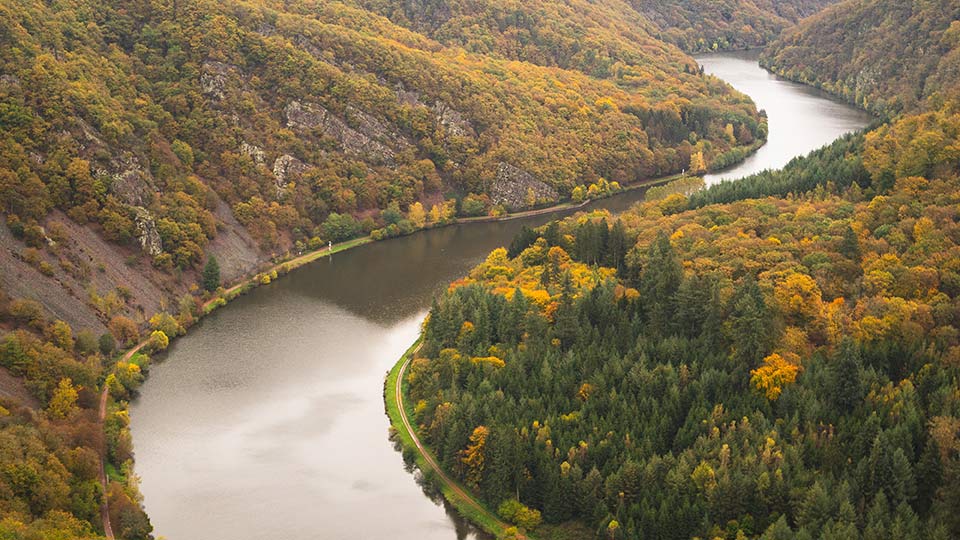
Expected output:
(473, 456)
(417, 215)
(775, 373)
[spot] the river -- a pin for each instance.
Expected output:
(266, 422)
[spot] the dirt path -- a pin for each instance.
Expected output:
(447, 481)
(104, 506)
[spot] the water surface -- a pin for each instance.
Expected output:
(800, 118)
(266, 422)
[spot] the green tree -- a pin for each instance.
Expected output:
(340, 227)
(107, 344)
(211, 274)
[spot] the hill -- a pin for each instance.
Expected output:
(136, 133)
(709, 25)
(714, 371)
(140, 141)
(886, 56)
(772, 358)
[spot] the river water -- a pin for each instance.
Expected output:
(266, 422)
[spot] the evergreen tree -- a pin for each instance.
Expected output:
(521, 241)
(850, 245)
(211, 274)
(845, 386)
(617, 246)
(752, 323)
(659, 281)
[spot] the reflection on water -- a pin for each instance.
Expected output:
(800, 118)
(267, 422)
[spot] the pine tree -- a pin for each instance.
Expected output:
(659, 281)
(211, 274)
(850, 245)
(845, 386)
(752, 323)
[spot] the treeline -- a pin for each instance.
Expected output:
(291, 113)
(886, 56)
(710, 25)
(840, 164)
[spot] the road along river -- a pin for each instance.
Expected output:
(266, 422)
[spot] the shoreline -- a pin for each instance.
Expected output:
(474, 512)
(403, 433)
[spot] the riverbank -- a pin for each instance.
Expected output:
(404, 433)
(248, 283)
(112, 403)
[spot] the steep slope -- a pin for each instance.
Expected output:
(139, 139)
(601, 38)
(159, 130)
(709, 25)
(886, 56)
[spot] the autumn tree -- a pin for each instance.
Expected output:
(124, 330)
(473, 457)
(64, 401)
(417, 215)
(697, 163)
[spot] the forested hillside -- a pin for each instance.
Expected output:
(711, 25)
(777, 367)
(885, 55)
(775, 358)
(140, 141)
(156, 135)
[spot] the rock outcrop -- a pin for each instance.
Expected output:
(147, 233)
(284, 167)
(452, 120)
(213, 79)
(254, 152)
(516, 188)
(365, 141)
(130, 183)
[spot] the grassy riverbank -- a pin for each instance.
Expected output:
(457, 495)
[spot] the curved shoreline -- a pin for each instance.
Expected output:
(249, 282)
(456, 494)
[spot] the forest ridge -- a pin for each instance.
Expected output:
(775, 357)
(771, 358)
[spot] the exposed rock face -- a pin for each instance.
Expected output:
(131, 184)
(371, 126)
(235, 250)
(363, 141)
(147, 232)
(408, 97)
(452, 120)
(284, 167)
(254, 151)
(514, 187)
(213, 79)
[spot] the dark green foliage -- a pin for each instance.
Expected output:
(107, 344)
(521, 241)
(211, 274)
(838, 163)
(340, 227)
